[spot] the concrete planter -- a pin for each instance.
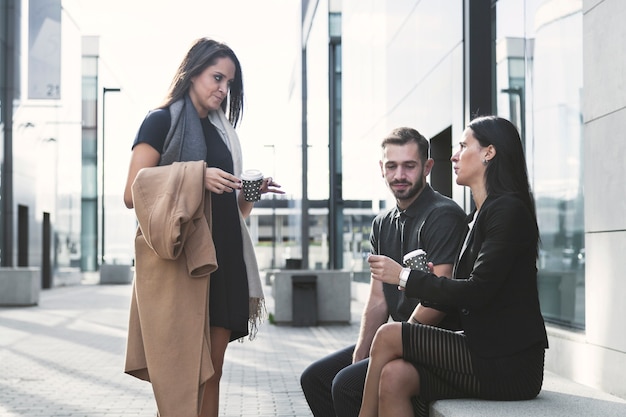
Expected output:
(332, 291)
(116, 274)
(19, 286)
(66, 276)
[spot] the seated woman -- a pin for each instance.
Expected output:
(499, 355)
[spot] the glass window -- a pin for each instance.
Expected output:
(539, 84)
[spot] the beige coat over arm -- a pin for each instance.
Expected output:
(168, 334)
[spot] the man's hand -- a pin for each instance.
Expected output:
(384, 269)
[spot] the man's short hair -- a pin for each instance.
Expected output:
(404, 135)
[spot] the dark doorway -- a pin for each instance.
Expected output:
(440, 152)
(46, 264)
(22, 235)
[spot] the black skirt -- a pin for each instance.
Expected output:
(448, 369)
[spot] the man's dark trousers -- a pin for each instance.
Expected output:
(333, 385)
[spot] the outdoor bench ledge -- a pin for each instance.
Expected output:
(558, 397)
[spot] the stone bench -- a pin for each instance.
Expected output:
(559, 397)
(332, 293)
(19, 286)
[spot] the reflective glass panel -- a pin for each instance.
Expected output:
(539, 84)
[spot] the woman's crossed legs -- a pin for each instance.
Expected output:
(409, 360)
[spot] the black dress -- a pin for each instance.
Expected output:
(228, 293)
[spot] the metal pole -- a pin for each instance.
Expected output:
(105, 90)
(273, 266)
(273, 210)
(304, 219)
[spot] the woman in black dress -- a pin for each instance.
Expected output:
(191, 125)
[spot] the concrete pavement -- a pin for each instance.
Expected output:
(65, 358)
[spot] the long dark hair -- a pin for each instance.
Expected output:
(203, 53)
(506, 172)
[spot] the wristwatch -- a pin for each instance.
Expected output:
(404, 275)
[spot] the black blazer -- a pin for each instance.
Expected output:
(495, 281)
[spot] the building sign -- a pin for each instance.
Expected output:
(44, 49)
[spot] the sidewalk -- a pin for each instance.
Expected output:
(65, 358)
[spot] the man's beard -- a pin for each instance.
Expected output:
(411, 192)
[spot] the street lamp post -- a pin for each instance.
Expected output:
(105, 90)
(273, 266)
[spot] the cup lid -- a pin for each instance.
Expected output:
(413, 254)
(251, 175)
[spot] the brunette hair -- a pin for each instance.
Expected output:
(203, 53)
(506, 172)
(404, 135)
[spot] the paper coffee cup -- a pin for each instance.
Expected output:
(251, 180)
(416, 260)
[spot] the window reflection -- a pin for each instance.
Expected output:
(539, 77)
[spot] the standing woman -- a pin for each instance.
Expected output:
(192, 125)
(499, 355)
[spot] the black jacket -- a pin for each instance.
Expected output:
(495, 281)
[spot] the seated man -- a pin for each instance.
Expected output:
(421, 219)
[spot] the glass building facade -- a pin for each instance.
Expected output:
(41, 144)
(90, 190)
(539, 84)
(433, 65)
(555, 68)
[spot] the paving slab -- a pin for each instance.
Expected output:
(65, 357)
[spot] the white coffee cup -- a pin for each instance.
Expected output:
(416, 260)
(251, 181)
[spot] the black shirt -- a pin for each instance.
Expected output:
(434, 223)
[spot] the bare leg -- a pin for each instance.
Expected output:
(386, 347)
(210, 400)
(399, 381)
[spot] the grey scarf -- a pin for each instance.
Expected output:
(185, 142)
(185, 139)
